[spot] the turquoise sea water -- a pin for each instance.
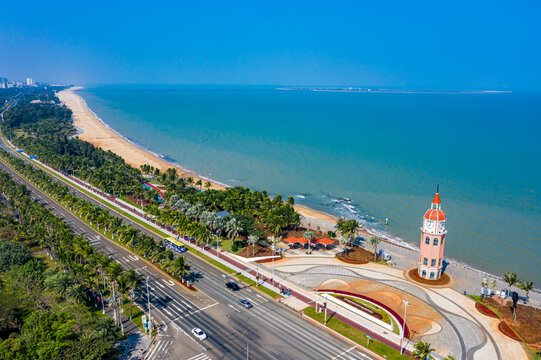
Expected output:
(384, 151)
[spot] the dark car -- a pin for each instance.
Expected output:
(245, 303)
(232, 286)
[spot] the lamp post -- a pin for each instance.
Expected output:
(149, 318)
(325, 296)
(406, 304)
(273, 264)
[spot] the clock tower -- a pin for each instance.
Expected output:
(432, 241)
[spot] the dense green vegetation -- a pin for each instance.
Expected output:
(45, 131)
(44, 311)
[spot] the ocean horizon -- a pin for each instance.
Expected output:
(362, 155)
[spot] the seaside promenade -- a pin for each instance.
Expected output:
(476, 335)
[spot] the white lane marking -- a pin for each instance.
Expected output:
(133, 257)
(259, 296)
(343, 353)
(201, 356)
(358, 355)
(160, 284)
(125, 259)
(195, 312)
(162, 345)
(168, 282)
(153, 350)
(234, 308)
(185, 304)
(176, 308)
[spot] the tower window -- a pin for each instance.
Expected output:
(425, 261)
(424, 273)
(427, 240)
(435, 241)
(432, 275)
(442, 241)
(433, 262)
(439, 262)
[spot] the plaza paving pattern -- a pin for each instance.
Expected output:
(441, 316)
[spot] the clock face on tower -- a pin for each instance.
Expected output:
(441, 227)
(430, 226)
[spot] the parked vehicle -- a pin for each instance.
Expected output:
(198, 333)
(245, 303)
(384, 254)
(232, 286)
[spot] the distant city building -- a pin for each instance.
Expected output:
(29, 81)
(19, 83)
(432, 241)
(3, 83)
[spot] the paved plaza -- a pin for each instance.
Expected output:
(439, 315)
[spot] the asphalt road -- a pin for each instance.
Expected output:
(267, 331)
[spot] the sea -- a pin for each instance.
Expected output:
(366, 155)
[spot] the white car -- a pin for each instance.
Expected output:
(198, 333)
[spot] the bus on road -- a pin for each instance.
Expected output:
(175, 245)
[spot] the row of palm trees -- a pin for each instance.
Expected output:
(87, 270)
(512, 280)
(75, 251)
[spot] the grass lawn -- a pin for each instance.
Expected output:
(355, 335)
(137, 314)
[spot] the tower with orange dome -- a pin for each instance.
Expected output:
(432, 241)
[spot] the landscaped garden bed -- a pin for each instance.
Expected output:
(443, 280)
(356, 255)
(508, 331)
(484, 310)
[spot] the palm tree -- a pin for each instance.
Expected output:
(105, 328)
(179, 267)
(449, 357)
(133, 281)
(59, 284)
(252, 240)
(511, 279)
(348, 228)
(77, 292)
(374, 241)
(208, 185)
(422, 350)
(527, 287)
(233, 228)
(310, 235)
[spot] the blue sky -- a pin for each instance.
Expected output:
(432, 44)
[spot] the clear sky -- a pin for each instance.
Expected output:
(407, 44)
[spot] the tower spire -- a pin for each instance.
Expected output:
(438, 187)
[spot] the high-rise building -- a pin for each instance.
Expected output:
(29, 81)
(432, 241)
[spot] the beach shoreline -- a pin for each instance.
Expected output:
(92, 129)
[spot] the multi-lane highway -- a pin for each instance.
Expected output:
(266, 331)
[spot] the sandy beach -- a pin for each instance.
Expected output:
(97, 133)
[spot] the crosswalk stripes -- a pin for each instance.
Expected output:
(95, 241)
(160, 346)
(202, 356)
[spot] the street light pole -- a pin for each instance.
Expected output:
(406, 304)
(325, 296)
(149, 318)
